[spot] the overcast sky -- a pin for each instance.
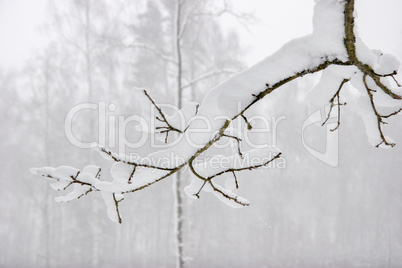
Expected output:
(280, 21)
(18, 21)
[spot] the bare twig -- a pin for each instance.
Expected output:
(235, 178)
(116, 159)
(202, 186)
(117, 207)
(165, 129)
(232, 170)
(390, 75)
(233, 198)
(132, 174)
(238, 140)
(74, 180)
(249, 126)
(336, 95)
(391, 114)
(378, 115)
(98, 174)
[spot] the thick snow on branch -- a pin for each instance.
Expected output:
(334, 47)
(325, 44)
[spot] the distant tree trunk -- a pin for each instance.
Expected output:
(177, 181)
(47, 156)
(96, 229)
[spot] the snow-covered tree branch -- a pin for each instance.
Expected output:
(334, 47)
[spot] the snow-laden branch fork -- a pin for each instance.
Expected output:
(334, 42)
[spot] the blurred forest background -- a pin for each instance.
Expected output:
(307, 214)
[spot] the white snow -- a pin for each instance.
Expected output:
(110, 206)
(222, 103)
(229, 202)
(387, 64)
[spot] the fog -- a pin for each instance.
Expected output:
(304, 212)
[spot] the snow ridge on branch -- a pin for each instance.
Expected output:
(333, 43)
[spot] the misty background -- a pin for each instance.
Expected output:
(56, 54)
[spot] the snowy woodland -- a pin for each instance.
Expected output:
(145, 134)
